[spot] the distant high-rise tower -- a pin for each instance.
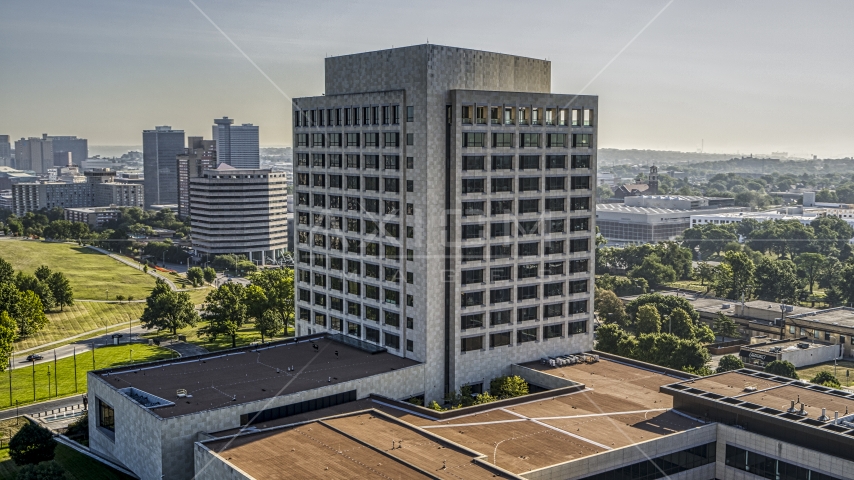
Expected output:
(160, 150)
(199, 156)
(5, 152)
(63, 145)
(236, 145)
(34, 154)
(653, 181)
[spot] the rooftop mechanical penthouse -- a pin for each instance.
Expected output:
(444, 210)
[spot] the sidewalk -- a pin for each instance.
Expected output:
(46, 345)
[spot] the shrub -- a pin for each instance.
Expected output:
(32, 444)
(729, 362)
(508, 387)
(827, 379)
(42, 471)
(782, 368)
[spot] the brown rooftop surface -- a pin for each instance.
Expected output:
(248, 375)
(730, 384)
(310, 451)
(362, 445)
(781, 398)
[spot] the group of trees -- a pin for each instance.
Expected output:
(32, 449)
(24, 298)
(268, 303)
(647, 265)
(198, 276)
(654, 328)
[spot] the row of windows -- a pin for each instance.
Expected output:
(530, 270)
(352, 116)
(663, 466)
(524, 206)
(524, 292)
(476, 254)
(373, 335)
(525, 228)
(352, 161)
(351, 182)
(523, 335)
(768, 467)
(372, 292)
(502, 317)
(354, 246)
(525, 184)
(511, 115)
(525, 162)
(355, 268)
(526, 140)
(333, 140)
(352, 204)
(357, 226)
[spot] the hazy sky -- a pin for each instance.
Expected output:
(755, 76)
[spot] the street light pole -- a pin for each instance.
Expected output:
(34, 379)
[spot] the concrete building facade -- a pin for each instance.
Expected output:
(237, 145)
(199, 155)
(465, 186)
(69, 147)
(239, 211)
(160, 149)
(6, 159)
(98, 190)
(34, 153)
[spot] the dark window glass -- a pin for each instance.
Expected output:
(469, 344)
(499, 295)
(579, 306)
(529, 184)
(529, 162)
(470, 299)
(352, 139)
(529, 206)
(578, 266)
(353, 182)
(555, 205)
(372, 205)
(502, 140)
(372, 184)
(372, 271)
(526, 335)
(556, 226)
(391, 162)
(499, 274)
(474, 139)
(553, 289)
(502, 162)
(580, 183)
(500, 251)
(501, 207)
(529, 227)
(106, 416)
(471, 276)
(472, 231)
(472, 185)
(579, 224)
(579, 203)
(557, 140)
(472, 254)
(553, 331)
(335, 181)
(580, 140)
(529, 140)
(555, 183)
(372, 162)
(579, 245)
(499, 318)
(471, 321)
(527, 292)
(372, 139)
(528, 271)
(500, 229)
(391, 207)
(391, 340)
(555, 161)
(500, 185)
(554, 268)
(472, 209)
(391, 139)
(578, 286)
(529, 249)
(391, 185)
(473, 162)
(499, 339)
(410, 113)
(372, 334)
(353, 162)
(581, 161)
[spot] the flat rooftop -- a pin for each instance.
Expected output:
(360, 445)
(249, 374)
(788, 345)
(709, 304)
(840, 316)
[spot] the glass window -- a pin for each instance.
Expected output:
(555, 204)
(473, 139)
(500, 295)
(501, 339)
(470, 299)
(580, 140)
(500, 274)
(470, 254)
(372, 139)
(581, 161)
(529, 140)
(410, 113)
(472, 185)
(471, 321)
(372, 162)
(473, 209)
(529, 184)
(469, 344)
(556, 140)
(499, 318)
(353, 140)
(106, 416)
(553, 331)
(372, 334)
(473, 162)
(526, 335)
(391, 139)
(502, 162)
(527, 292)
(502, 140)
(500, 185)
(529, 162)
(353, 161)
(500, 251)
(501, 207)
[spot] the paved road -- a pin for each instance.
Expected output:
(33, 408)
(20, 361)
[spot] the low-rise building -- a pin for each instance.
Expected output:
(631, 223)
(98, 190)
(94, 216)
(801, 352)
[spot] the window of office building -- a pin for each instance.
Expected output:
(500, 185)
(472, 185)
(529, 162)
(500, 251)
(471, 254)
(501, 317)
(471, 162)
(579, 306)
(529, 249)
(580, 140)
(579, 245)
(472, 209)
(471, 321)
(500, 295)
(469, 344)
(578, 266)
(581, 161)
(531, 205)
(555, 183)
(526, 335)
(529, 140)
(529, 184)
(470, 299)
(501, 207)
(502, 140)
(502, 162)
(501, 339)
(372, 139)
(529, 227)
(553, 331)
(391, 139)
(527, 292)
(471, 276)
(528, 271)
(474, 139)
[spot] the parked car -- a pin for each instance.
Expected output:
(33, 357)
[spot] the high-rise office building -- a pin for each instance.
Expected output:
(239, 211)
(5, 152)
(63, 145)
(237, 145)
(444, 210)
(160, 150)
(199, 155)
(34, 154)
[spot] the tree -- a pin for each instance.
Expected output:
(41, 471)
(653, 271)
(278, 287)
(704, 334)
(743, 271)
(508, 387)
(258, 308)
(63, 294)
(26, 282)
(7, 338)
(704, 272)
(166, 309)
(776, 280)
(226, 311)
(782, 368)
(610, 307)
(608, 337)
(725, 326)
(728, 363)
(25, 308)
(648, 320)
(827, 379)
(42, 273)
(679, 323)
(209, 274)
(32, 444)
(811, 264)
(7, 273)
(196, 276)
(665, 304)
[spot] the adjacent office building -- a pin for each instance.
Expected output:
(40, 154)
(237, 145)
(5, 152)
(444, 210)
(199, 155)
(98, 190)
(67, 148)
(160, 149)
(239, 211)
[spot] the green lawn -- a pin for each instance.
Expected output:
(808, 373)
(245, 335)
(81, 317)
(77, 466)
(93, 275)
(110, 356)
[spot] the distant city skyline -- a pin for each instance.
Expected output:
(758, 77)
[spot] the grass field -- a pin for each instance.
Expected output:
(109, 356)
(92, 275)
(81, 317)
(245, 336)
(808, 373)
